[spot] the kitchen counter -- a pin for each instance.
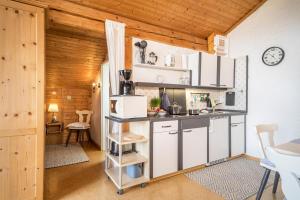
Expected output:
(217, 113)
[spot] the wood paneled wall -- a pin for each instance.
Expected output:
(72, 65)
(73, 61)
(69, 100)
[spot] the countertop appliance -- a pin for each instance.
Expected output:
(128, 106)
(126, 85)
(176, 95)
(128, 148)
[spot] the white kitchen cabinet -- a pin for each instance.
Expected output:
(218, 139)
(208, 70)
(237, 135)
(193, 65)
(165, 148)
(226, 72)
(194, 146)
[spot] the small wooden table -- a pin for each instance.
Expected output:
(292, 147)
(57, 127)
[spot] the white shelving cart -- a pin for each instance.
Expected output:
(115, 165)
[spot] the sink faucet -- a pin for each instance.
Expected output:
(214, 104)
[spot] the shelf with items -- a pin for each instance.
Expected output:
(127, 181)
(138, 138)
(127, 138)
(127, 159)
(160, 67)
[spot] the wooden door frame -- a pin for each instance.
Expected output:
(40, 92)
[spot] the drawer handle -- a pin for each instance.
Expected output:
(213, 84)
(169, 126)
(234, 125)
(223, 85)
(187, 131)
(173, 133)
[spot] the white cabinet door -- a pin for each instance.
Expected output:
(208, 76)
(226, 72)
(237, 139)
(218, 139)
(165, 153)
(194, 146)
(193, 64)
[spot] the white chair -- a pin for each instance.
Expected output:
(265, 134)
(289, 169)
(81, 126)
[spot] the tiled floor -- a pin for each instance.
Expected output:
(87, 181)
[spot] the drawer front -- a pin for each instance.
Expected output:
(165, 126)
(237, 119)
(195, 123)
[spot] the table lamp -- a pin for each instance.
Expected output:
(53, 108)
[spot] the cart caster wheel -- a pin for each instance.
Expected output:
(143, 185)
(120, 192)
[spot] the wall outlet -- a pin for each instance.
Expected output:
(69, 98)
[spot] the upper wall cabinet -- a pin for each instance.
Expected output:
(208, 70)
(211, 71)
(226, 72)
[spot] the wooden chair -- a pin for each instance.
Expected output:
(264, 142)
(289, 169)
(80, 127)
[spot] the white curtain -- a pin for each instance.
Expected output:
(115, 38)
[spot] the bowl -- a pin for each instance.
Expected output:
(162, 113)
(151, 113)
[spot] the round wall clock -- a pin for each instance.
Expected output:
(273, 56)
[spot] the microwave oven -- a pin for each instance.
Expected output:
(128, 106)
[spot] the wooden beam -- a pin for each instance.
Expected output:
(135, 27)
(58, 20)
(244, 17)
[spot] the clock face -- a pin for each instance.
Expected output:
(273, 56)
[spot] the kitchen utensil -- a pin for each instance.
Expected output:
(151, 113)
(152, 58)
(127, 148)
(162, 113)
(142, 49)
(194, 111)
(135, 171)
(174, 109)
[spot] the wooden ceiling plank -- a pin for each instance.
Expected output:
(245, 16)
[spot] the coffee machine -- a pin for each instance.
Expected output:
(126, 85)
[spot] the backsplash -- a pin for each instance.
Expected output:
(219, 96)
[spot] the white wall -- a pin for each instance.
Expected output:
(96, 117)
(274, 92)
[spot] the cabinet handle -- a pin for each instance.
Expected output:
(213, 84)
(234, 125)
(187, 131)
(173, 133)
(224, 85)
(166, 126)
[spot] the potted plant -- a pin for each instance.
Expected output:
(154, 105)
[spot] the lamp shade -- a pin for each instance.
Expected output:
(53, 107)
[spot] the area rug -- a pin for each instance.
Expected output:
(60, 155)
(233, 180)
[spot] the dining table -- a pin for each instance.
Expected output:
(292, 147)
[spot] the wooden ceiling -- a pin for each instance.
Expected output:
(195, 17)
(72, 61)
